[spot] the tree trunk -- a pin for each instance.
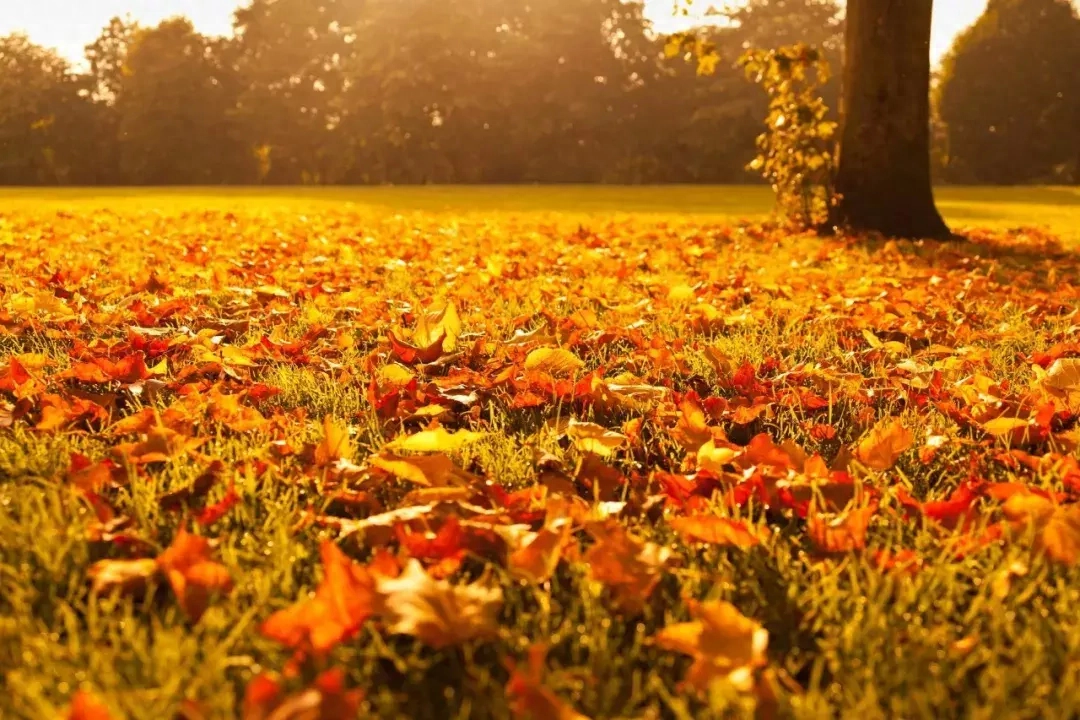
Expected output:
(884, 164)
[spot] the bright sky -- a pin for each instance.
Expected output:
(68, 25)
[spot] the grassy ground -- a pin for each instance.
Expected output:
(607, 430)
(1055, 207)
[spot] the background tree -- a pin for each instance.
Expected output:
(173, 110)
(479, 91)
(1010, 95)
(291, 58)
(44, 111)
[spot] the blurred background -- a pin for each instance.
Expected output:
(325, 92)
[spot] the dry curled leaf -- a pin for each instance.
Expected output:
(436, 612)
(193, 576)
(343, 601)
(531, 699)
(554, 361)
(628, 567)
(880, 449)
(1056, 527)
(335, 444)
(723, 642)
(716, 530)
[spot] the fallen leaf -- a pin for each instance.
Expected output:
(84, 706)
(590, 437)
(1015, 429)
(554, 361)
(628, 567)
(128, 577)
(530, 699)
(335, 444)
(716, 530)
(1063, 374)
(880, 449)
(538, 556)
(723, 642)
(193, 576)
(1057, 527)
(428, 470)
(326, 699)
(839, 533)
(437, 440)
(441, 324)
(343, 601)
(714, 459)
(436, 612)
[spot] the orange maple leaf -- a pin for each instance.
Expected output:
(717, 530)
(343, 601)
(880, 449)
(84, 706)
(723, 642)
(193, 576)
(531, 700)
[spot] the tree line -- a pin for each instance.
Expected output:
(486, 91)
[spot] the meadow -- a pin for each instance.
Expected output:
(536, 453)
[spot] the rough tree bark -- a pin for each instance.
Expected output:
(884, 163)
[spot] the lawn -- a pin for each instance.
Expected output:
(1055, 207)
(547, 453)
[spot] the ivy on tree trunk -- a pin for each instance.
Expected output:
(884, 164)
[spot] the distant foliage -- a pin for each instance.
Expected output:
(1009, 96)
(796, 153)
(400, 92)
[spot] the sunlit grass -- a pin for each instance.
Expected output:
(1000, 207)
(947, 641)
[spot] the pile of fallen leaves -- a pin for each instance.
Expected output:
(669, 389)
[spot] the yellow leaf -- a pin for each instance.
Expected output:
(885, 443)
(437, 440)
(555, 361)
(723, 642)
(713, 458)
(335, 444)
(680, 293)
(1064, 374)
(1002, 426)
(428, 470)
(395, 374)
(597, 439)
(232, 355)
(443, 322)
(161, 369)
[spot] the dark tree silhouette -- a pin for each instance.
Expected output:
(884, 164)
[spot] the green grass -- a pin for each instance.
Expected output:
(963, 637)
(1057, 208)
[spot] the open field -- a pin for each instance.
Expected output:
(548, 453)
(1055, 207)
